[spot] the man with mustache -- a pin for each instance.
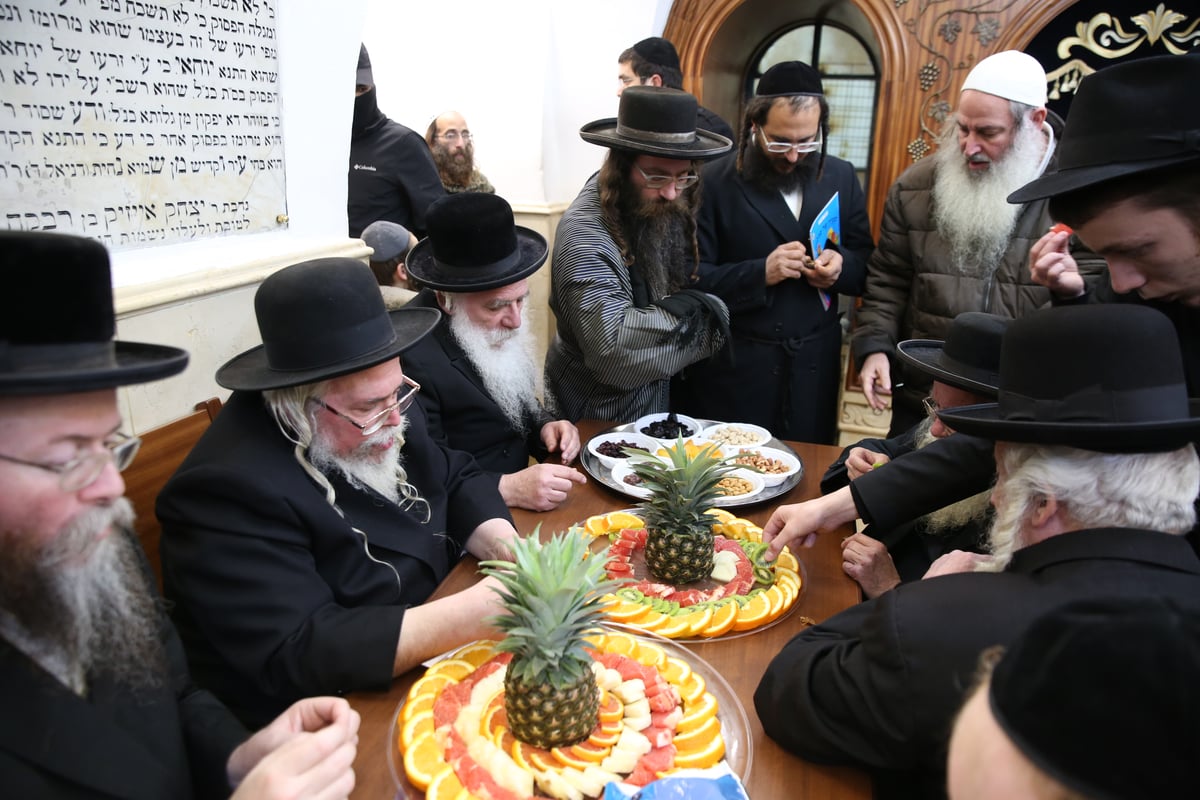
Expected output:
(307, 528)
(478, 374)
(949, 241)
(453, 150)
(625, 261)
(785, 353)
(97, 697)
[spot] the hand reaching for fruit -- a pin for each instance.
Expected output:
(1051, 263)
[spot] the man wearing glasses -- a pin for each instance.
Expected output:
(311, 522)
(755, 254)
(97, 697)
(453, 150)
(624, 263)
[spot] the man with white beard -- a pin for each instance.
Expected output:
(479, 378)
(949, 241)
(1096, 474)
(97, 698)
(307, 528)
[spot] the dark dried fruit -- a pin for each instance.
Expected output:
(633, 480)
(617, 449)
(669, 428)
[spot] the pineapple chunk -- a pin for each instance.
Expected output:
(724, 566)
(608, 679)
(633, 742)
(638, 708)
(637, 723)
(631, 691)
(620, 761)
(555, 785)
(597, 779)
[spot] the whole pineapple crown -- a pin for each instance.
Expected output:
(682, 488)
(552, 595)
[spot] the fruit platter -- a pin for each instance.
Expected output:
(561, 706)
(605, 456)
(747, 595)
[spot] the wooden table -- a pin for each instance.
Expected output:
(775, 774)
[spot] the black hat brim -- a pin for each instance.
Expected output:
(250, 371)
(131, 363)
(1063, 181)
(706, 146)
(423, 266)
(929, 356)
(984, 421)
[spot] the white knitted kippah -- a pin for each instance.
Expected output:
(1012, 75)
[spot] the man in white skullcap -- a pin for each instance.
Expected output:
(949, 241)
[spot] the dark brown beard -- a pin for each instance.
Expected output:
(659, 235)
(759, 170)
(454, 171)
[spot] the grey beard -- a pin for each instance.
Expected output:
(363, 470)
(971, 211)
(82, 608)
(505, 362)
(958, 514)
(657, 234)
(758, 170)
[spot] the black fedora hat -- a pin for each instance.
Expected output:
(657, 121)
(473, 246)
(57, 323)
(1105, 377)
(1128, 118)
(1077, 671)
(321, 319)
(969, 358)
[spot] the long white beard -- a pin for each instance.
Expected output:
(80, 605)
(505, 361)
(971, 210)
(956, 515)
(366, 467)
(1005, 537)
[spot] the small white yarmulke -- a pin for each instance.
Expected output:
(1012, 75)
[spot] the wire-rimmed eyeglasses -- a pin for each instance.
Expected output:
(454, 136)
(403, 401)
(784, 147)
(931, 406)
(83, 470)
(663, 181)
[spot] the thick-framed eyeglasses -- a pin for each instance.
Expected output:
(83, 470)
(931, 406)
(372, 425)
(784, 147)
(454, 136)
(663, 181)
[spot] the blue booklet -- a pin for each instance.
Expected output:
(827, 227)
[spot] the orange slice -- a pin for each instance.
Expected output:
(650, 655)
(604, 737)
(417, 726)
(597, 525)
(777, 596)
(722, 621)
(693, 690)
(620, 643)
(495, 718)
(475, 653)
(756, 612)
(628, 612)
(699, 620)
(428, 684)
(444, 786)
(787, 576)
(652, 621)
(568, 758)
(698, 738)
(530, 758)
(453, 668)
(696, 714)
(702, 759)
(423, 761)
(787, 561)
(415, 705)
(619, 520)
(611, 709)
(594, 753)
(675, 671)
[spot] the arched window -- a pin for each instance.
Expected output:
(850, 77)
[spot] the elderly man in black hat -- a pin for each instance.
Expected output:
(1096, 699)
(755, 254)
(1096, 478)
(97, 697)
(478, 373)
(313, 519)
(965, 370)
(654, 62)
(625, 260)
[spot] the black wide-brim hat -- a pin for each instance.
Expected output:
(969, 359)
(1106, 377)
(57, 322)
(1132, 117)
(657, 121)
(473, 245)
(322, 319)
(1094, 694)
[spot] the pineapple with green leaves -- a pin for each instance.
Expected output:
(679, 541)
(552, 595)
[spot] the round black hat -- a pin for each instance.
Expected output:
(790, 78)
(657, 121)
(969, 358)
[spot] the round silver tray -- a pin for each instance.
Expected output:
(599, 472)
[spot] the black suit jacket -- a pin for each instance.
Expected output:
(459, 411)
(785, 359)
(279, 596)
(172, 742)
(878, 685)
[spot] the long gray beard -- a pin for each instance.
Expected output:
(80, 606)
(505, 361)
(971, 211)
(657, 233)
(364, 468)
(956, 515)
